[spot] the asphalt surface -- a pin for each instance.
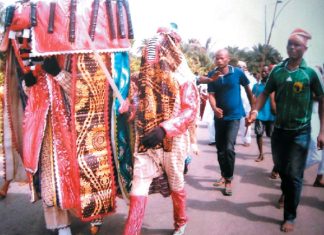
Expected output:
(252, 209)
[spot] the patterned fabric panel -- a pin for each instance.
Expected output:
(2, 159)
(97, 189)
(48, 189)
(156, 86)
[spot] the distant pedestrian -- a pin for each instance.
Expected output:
(208, 113)
(316, 156)
(294, 84)
(245, 131)
(265, 118)
(226, 102)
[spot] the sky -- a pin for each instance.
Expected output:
(235, 23)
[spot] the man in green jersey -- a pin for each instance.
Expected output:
(294, 83)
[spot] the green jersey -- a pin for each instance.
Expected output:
(294, 94)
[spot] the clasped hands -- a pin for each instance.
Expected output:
(251, 118)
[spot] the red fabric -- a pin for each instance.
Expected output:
(4, 42)
(179, 208)
(37, 109)
(300, 35)
(34, 124)
(135, 215)
(21, 19)
(63, 148)
(187, 114)
(60, 37)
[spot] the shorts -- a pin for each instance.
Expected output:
(261, 126)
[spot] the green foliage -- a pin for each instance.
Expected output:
(261, 55)
(200, 58)
(197, 56)
(135, 63)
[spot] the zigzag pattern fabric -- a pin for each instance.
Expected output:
(157, 88)
(92, 146)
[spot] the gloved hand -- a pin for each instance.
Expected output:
(154, 137)
(51, 66)
(29, 78)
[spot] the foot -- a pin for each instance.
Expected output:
(319, 182)
(281, 201)
(228, 189)
(246, 144)
(3, 194)
(274, 175)
(287, 226)
(185, 171)
(211, 143)
(180, 231)
(260, 158)
(219, 182)
(94, 229)
(4, 189)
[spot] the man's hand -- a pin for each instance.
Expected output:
(194, 149)
(154, 137)
(320, 141)
(251, 118)
(124, 107)
(215, 76)
(218, 113)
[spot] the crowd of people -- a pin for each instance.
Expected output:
(162, 106)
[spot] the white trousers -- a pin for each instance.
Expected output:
(154, 162)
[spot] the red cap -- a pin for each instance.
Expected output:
(300, 35)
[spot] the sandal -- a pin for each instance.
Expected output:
(219, 182)
(228, 189)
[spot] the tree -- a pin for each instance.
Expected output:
(198, 56)
(236, 55)
(262, 55)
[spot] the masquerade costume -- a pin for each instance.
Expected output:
(166, 104)
(74, 138)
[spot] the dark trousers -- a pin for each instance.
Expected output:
(289, 151)
(226, 133)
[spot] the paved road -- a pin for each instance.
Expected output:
(250, 211)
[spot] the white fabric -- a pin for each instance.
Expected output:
(64, 231)
(183, 73)
(315, 156)
(246, 139)
(154, 162)
(208, 118)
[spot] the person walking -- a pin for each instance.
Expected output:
(294, 84)
(226, 102)
(265, 118)
(244, 131)
(316, 156)
(167, 104)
